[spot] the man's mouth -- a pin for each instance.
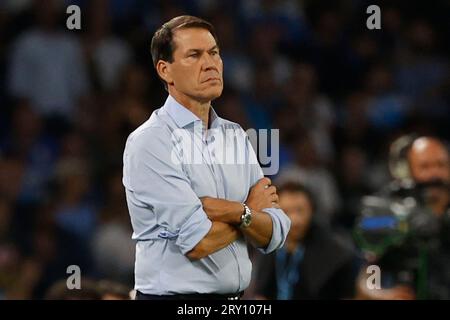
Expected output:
(211, 79)
(433, 183)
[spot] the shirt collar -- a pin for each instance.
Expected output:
(215, 120)
(183, 116)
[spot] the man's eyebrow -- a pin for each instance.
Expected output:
(201, 50)
(194, 50)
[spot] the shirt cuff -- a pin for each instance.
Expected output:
(280, 228)
(193, 230)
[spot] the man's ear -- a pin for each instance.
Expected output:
(163, 69)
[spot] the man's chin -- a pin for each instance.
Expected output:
(212, 95)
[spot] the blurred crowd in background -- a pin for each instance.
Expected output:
(338, 92)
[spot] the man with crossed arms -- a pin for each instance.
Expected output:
(192, 221)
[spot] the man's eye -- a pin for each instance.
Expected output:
(193, 55)
(213, 53)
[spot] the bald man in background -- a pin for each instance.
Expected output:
(429, 164)
(429, 168)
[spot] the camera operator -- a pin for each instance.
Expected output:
(416, 268)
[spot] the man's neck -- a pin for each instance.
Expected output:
(438, 200)
(440, 206)
(200, 109)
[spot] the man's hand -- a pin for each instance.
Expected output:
(262, 195)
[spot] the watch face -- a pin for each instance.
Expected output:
(247, 220)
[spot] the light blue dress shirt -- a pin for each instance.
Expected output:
(171, 161)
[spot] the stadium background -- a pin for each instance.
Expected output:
(338, 92)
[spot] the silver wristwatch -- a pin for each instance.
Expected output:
(246, 217)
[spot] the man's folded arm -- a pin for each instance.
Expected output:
(270, 225)
(280, 229)
(274, 216)
(154, 175)
(219, 236)
(268, 229)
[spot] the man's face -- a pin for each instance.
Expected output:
(196, 70)
(429, 161)
(298, 208)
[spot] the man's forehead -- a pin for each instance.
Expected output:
(193, 38)
(428, 148)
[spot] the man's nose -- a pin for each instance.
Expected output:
(208, 62)
(438, 172)
(434, 174)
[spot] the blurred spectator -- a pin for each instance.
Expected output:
(313, 264)
(74, 211)
(47, 65)
(13, 6)
(106, 53)
(328, 50)
(90, 290)
(237, 65)
(352, 177)
(386, 109)
(59, 291)
(28, 143)
(353, 127)
(285, 15)
(52, 250)
(422, 70)
(261, 102)
(11, 177)
(287, 121)
(131, 105)
(308, 170)
(113, 249)
(230, 106)
(412, 269)
(126, 110)
(22, 218)
(10, 257)
(314, 110)
(111, 290)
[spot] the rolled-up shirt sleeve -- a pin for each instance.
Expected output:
(280, 221)
(153, 174)
(280, 229)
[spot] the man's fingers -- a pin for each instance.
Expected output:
(274, 197)
(265, 181)
(272, 189)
